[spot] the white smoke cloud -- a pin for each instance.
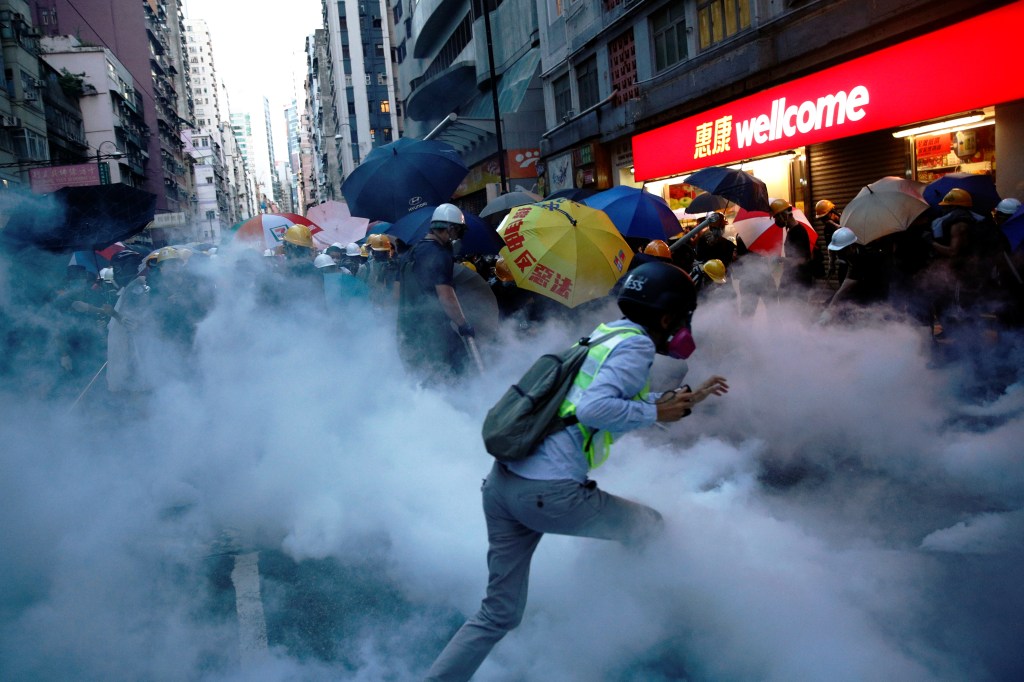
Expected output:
(818, 516)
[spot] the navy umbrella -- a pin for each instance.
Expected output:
(981, 188)
(1013, 228)
(77, 218)
(479, 237)
(402, 176)
(636, 212)
(735, 185)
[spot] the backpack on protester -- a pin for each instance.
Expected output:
(528, 411)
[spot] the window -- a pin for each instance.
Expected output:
(382, 78)
(386, 134)
(373, 134)
(668, 29)
(367, 79)
(721, 19)
(378, 49)
(209, 181)
(351, 108)
(210, 215)
(554, 9)
(562, 96)
(385, 106)
(586, 83)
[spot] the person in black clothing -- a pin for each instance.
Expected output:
(712, 245)
(827, 213)
(868, 273)
(797, 272)
(430, 319)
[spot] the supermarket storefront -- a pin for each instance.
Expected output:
(898, 111)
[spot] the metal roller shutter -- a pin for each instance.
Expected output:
(839, 169)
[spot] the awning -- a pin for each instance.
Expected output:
(475, 122)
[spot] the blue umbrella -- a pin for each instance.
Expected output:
(573, 194)
(479, 237)
(706, 203)
(737, 186)
(1013, 228)
(981, 188)
(402, 176)
(636, 212)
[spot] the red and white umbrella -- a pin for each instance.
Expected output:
(266, 230)
(337, 224)
(759, 232)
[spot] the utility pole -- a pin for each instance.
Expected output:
(494, 97)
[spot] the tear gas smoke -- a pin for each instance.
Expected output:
(841, 514)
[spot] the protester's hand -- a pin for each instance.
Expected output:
(65, 362)
(674, 405)
(467, 331)
(716, 385)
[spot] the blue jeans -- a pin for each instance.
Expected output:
(518, 512)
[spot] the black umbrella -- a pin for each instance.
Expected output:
(577, 195)
(735, 185)
(706, 203)
(78, 218)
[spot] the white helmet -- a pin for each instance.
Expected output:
(842, 238)
(1008, 206)
(107, 274)
(352, 250)
(323, 261)
(447, 213)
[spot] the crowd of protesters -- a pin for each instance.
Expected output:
(952, 272)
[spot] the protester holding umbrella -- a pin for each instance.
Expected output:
(431, 323)
(550, 491)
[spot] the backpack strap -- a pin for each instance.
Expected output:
(572, 419)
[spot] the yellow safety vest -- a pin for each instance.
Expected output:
(597, 450)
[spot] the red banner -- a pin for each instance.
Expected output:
(49, 178)
(926, 77)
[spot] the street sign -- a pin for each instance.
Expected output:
(104, 173)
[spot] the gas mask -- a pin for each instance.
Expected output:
(681, 344)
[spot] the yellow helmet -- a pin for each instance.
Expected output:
(364, 252)
(501, 270)
(168, 253)
(659, 248)
(299, 235)
(379, 242)
(823, 208)
(469, 265)
(957, 197)
(778, 206)
(715, 269)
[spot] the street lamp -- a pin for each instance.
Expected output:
(100, 166)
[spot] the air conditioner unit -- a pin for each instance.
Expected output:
(31, 96)
(38, 83)
(10, 122)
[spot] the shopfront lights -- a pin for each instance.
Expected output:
(942, 126)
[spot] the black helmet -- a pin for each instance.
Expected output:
(654, 289)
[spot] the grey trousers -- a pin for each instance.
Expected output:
(518, 512)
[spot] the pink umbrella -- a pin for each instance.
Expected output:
(759, 232)
(336, 223)
(267, 229)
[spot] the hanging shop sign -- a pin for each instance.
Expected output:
(522, 163)
(885, 89)
(52, 178)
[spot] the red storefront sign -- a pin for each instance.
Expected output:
(926, 77)
(522, 163)
(50, 178)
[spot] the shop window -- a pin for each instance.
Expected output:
(668, 28)
(587, 84)
(721, 19)
(563, 97)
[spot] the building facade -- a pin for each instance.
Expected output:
(645, 93)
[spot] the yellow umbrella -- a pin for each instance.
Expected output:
(563, 250)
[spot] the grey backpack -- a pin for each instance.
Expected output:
(528, 411)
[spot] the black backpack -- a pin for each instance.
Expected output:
(528, 412)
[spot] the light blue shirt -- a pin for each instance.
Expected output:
(606, 405)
